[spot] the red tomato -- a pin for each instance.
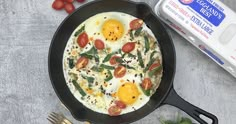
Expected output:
(99, 44)
(81, 1)
(58, 5)
(69, 7)
(120, 104)
(114, 110)
(120, 72)
(113, 60)
(82, 62)
(128, 47)
(69, 1)
(136, 24)
(82, 39)
(154, 65)
(146, 83)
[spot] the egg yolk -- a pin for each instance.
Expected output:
(112, 30)
(128, 93)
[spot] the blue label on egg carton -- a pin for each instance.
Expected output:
(208, 9)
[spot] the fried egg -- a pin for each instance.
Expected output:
(96, 80)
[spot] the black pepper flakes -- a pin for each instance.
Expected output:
(135, 75)
(133, 97)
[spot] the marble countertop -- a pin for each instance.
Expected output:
(26, 94)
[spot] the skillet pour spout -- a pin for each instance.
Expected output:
(165, 94)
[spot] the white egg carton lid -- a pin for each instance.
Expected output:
(207, 24)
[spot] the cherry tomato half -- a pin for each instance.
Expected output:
(120, 72)
(113, 60)
(69, 7)
(114, 111)
(128, 47)
(58, 5)
(99, 44)
(135, 24)
(120, 104)
(146, 84)
(82, 39)
(82, 62)
(154, 65)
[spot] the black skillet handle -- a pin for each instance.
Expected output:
(174, 99)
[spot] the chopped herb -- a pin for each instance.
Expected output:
(77, 86)
(140, 59)
(119, 60)
(92, 51)
(73, 76)
(147, 44)
(131, 55)
(152, 72)
(107, 67)
(131, 34)
(109, 76)
(79, 31)
(87, 55)
(97, 69)
(71, 63)
(90, 79)
(96, 58)
(152, 54)
(149, 64)
(120, 51)
(138, 31)
(146, 92)
(123, 55)
(129, 67)
(108, 57)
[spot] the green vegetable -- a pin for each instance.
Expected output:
(97, 69)
(129, 67)
(109, 76)
(92, 51)
(87, 55)
(108, 57)
(79, 31)
(77, 86)
(140, 59)
(146, 92)
(107, 67)
(120, 51)
(90, 79)
(96, 57)
(119, 60)
(153, 53)
(131, 55)
(131, 34)
(138, 31)
(73, 76)
(90, 54)
(149, 64)
(123, 55)
(152, 72)
(147, 44)
(71, 63)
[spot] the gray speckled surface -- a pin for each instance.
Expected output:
(26, 95)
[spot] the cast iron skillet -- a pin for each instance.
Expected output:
(165, 93)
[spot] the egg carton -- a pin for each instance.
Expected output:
(208, 24)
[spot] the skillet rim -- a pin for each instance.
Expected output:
(167, 32)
